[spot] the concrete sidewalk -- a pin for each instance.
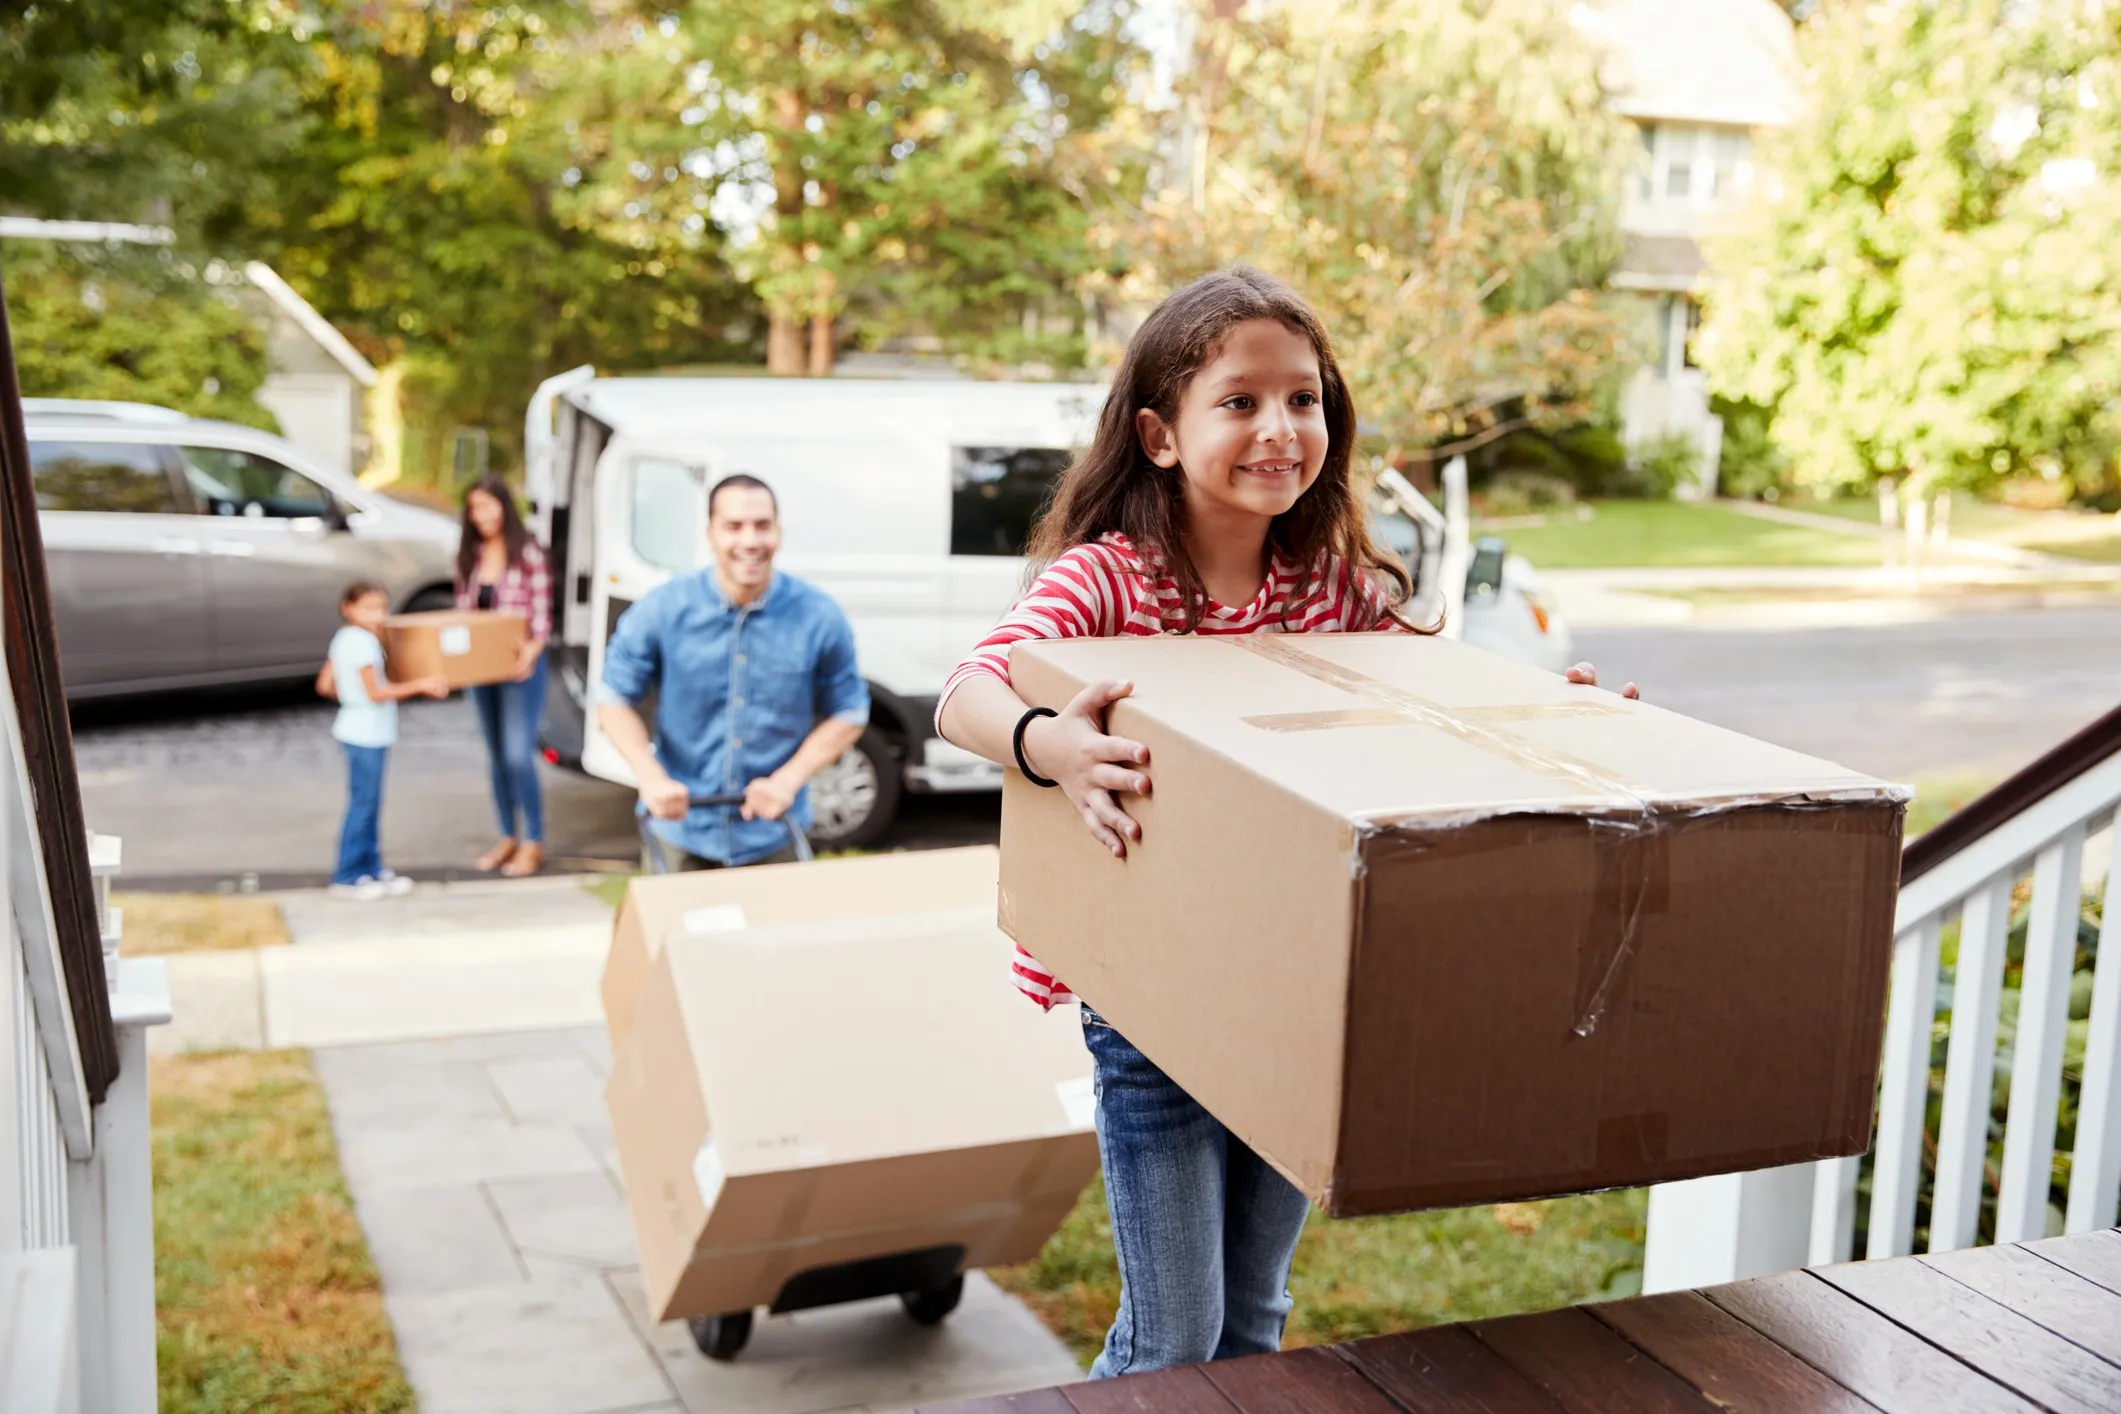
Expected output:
(459, 1039)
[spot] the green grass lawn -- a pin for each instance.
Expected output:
(1365, 1276)
(1633, 534)
(2075, 535)
(265, 1297)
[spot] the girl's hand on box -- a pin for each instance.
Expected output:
(1587, 676)
(435, 687)
(1090, 767)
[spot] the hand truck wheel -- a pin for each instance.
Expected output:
(929, 1306)
(720, 1337)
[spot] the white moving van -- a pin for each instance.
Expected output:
(906, 500)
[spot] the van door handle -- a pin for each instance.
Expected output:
(235, 549)
(175, 545)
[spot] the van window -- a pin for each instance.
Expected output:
(241, 484)
(669, 521)
(103, 476)
(996, 493)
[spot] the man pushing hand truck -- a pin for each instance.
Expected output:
(756, 691)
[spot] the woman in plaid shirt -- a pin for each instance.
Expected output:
(500, 567)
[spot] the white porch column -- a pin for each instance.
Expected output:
(113, 1206)
(1706, 1231)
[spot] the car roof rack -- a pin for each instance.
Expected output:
(94, 410)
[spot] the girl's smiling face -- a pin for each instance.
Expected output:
(1250, 435)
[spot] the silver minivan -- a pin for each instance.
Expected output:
(184, 553)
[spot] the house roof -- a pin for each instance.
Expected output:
(1700, 61)
(268, 282)
(1659, 263)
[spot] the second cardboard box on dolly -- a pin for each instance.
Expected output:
(1427, 927)
(823, 1085)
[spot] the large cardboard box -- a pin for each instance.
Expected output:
(469, 647)
(798, 1099)
(1425, 927)
(771, 895)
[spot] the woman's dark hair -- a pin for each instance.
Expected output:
(513, 531)
(1113, 486)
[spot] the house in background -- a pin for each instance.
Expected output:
(1698, 78)
(319, 382)
(316, 383)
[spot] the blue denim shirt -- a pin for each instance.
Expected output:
(737, 689)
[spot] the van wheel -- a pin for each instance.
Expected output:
(431, 600)
(720, 1337)
(853, 800)
(929, 1307)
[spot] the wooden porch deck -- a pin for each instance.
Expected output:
(2034, 1326)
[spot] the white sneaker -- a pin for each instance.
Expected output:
(365, 889)
(394, 884)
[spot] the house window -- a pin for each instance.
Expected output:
(1731, 152)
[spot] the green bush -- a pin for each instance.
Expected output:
(132, 324)
(1752, 467)
(1657, 468)
(1517, 493)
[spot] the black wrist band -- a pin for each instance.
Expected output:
(1016, 741)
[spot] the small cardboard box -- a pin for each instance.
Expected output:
(469, 647)
(770, 895)
(1426, 927)
(791, 1101)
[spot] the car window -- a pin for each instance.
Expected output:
(103, 476)
(228, 483)
(996, 493)
(669, 518)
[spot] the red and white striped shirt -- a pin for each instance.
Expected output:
(1108, 589)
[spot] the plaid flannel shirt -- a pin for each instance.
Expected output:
(525, 588)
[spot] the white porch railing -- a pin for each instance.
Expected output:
(2041, 864)
(77, 1282)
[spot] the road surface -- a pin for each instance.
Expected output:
(234, 790)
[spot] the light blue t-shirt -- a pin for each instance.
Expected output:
(360, 721)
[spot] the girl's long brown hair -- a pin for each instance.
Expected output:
(514, 534)
(1114, 486)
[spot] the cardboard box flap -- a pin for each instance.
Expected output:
(776, 895)
(1372, 733)
(856, 1039)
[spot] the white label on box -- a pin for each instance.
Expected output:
(721, 918)
(455, 640)
(1078, 1098)
(707, 1172)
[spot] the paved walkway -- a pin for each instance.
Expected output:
(460, 1043)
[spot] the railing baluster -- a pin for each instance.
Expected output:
(1834, 1210)
(1903, 1090)
(2095, 1173)
(1970, 1066)
(2036, 1059)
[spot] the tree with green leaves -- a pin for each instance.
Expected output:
(135, 324)
(882, 167)
(1927, 287)
(1436, 176)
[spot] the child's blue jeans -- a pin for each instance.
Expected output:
(1205, 1230)
(360, 847)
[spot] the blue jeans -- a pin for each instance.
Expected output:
(360, 849)
(1205, 1230)
(508, 718)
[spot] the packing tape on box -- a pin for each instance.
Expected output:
(1628, 828)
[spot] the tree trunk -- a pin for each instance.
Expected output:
(824, 345)
(784, 345)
